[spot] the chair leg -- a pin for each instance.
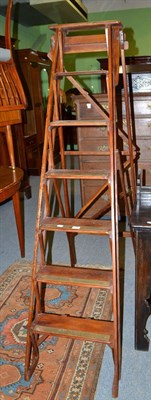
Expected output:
(19, 224)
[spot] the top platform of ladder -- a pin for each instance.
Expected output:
(85, 25)
(94, 38)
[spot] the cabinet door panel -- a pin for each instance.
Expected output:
(144, 144)
(91, 144)
(37, 102)
(30, 63)
(140, 105)
(87, 111)
(94, 132)
(143, 127)
(89, 163)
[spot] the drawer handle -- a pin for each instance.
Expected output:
(149, 148)
(103, 148)
(149, 125)
(89, 105)
(105, 106)
(149, 105)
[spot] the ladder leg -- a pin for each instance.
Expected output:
(19, 224)
(32, 351)
(116, 375)
(128, 212)
(131, 151)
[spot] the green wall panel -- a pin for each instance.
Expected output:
(136, 24)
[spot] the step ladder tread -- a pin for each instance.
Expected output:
(77, 73)
(75, 225)
(75, 276)
(74, 26)
(73, 327)
(77, 174)
(76, 122)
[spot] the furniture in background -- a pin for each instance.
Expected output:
(69, 112)
(18, 142)
(19, 152)
(138, 70)
(34, 69)
(12, 101)
(96, 139)
(141, 223)
(139, 83)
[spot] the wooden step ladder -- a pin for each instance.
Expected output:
(74, 39)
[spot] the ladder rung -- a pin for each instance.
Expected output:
(73, 327)
(74, 225)
(91, 153)
(76, 174)
(86, 153)
(77, 73)
(75, 122)
(75, 276)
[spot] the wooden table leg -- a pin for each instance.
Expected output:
(143, 288)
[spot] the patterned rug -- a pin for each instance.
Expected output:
(67, 369)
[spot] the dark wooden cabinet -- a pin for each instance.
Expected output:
(95, 139)
(139, 83)
(34, 69)
(142, 127)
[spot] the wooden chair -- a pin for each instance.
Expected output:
(12, 100)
